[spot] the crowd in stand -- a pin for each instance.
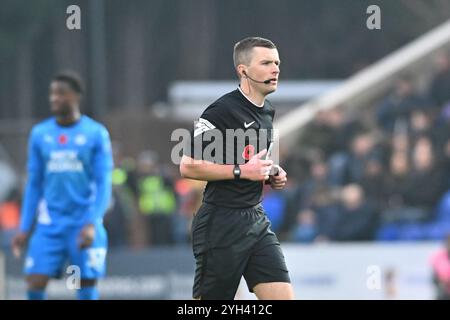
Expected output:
(386, 180)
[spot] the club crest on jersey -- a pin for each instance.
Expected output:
(48, 138)
(62, 139)
(80, 139)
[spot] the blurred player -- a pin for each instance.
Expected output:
(231, 234)
(69, 189)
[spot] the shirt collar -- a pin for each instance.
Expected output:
(259, 106)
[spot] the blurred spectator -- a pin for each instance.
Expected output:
(372, 180)
(317, 182)
(413, 192)
(398, 105)
(189, 194)
(343, 129)
(123, 221)
(400, 139)
(439, 91)
(319, 195)
(319, 134)
(325, 205)
(357, 220)
(425, 184)
(421, 124)
(443, 142)
(296, 164)
(440, 264)
(306, 229)
(330, 131)
(300, 188)
(275, 204)
(350, 168)
(445, 162)
(394, 186)
(156, 199)
(9, 218)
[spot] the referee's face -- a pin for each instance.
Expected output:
(265, 65)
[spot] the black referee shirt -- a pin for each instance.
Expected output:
(232, 111)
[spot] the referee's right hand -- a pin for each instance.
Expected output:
(257, 169)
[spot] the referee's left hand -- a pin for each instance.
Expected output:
(279, 181)
(87, 235)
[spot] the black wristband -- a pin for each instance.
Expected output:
(237, 172)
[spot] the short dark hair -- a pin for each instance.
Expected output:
(242, 49)
(72, 79)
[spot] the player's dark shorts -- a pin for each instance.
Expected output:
(230, 243)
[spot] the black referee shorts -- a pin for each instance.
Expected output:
(228, 243)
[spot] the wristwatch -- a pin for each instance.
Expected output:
(237, 172)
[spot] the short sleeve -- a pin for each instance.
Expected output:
(103, 159)
(207, 128)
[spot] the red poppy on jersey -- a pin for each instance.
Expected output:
(62, 139)
(249, 151)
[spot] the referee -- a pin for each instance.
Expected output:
(231, 234)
